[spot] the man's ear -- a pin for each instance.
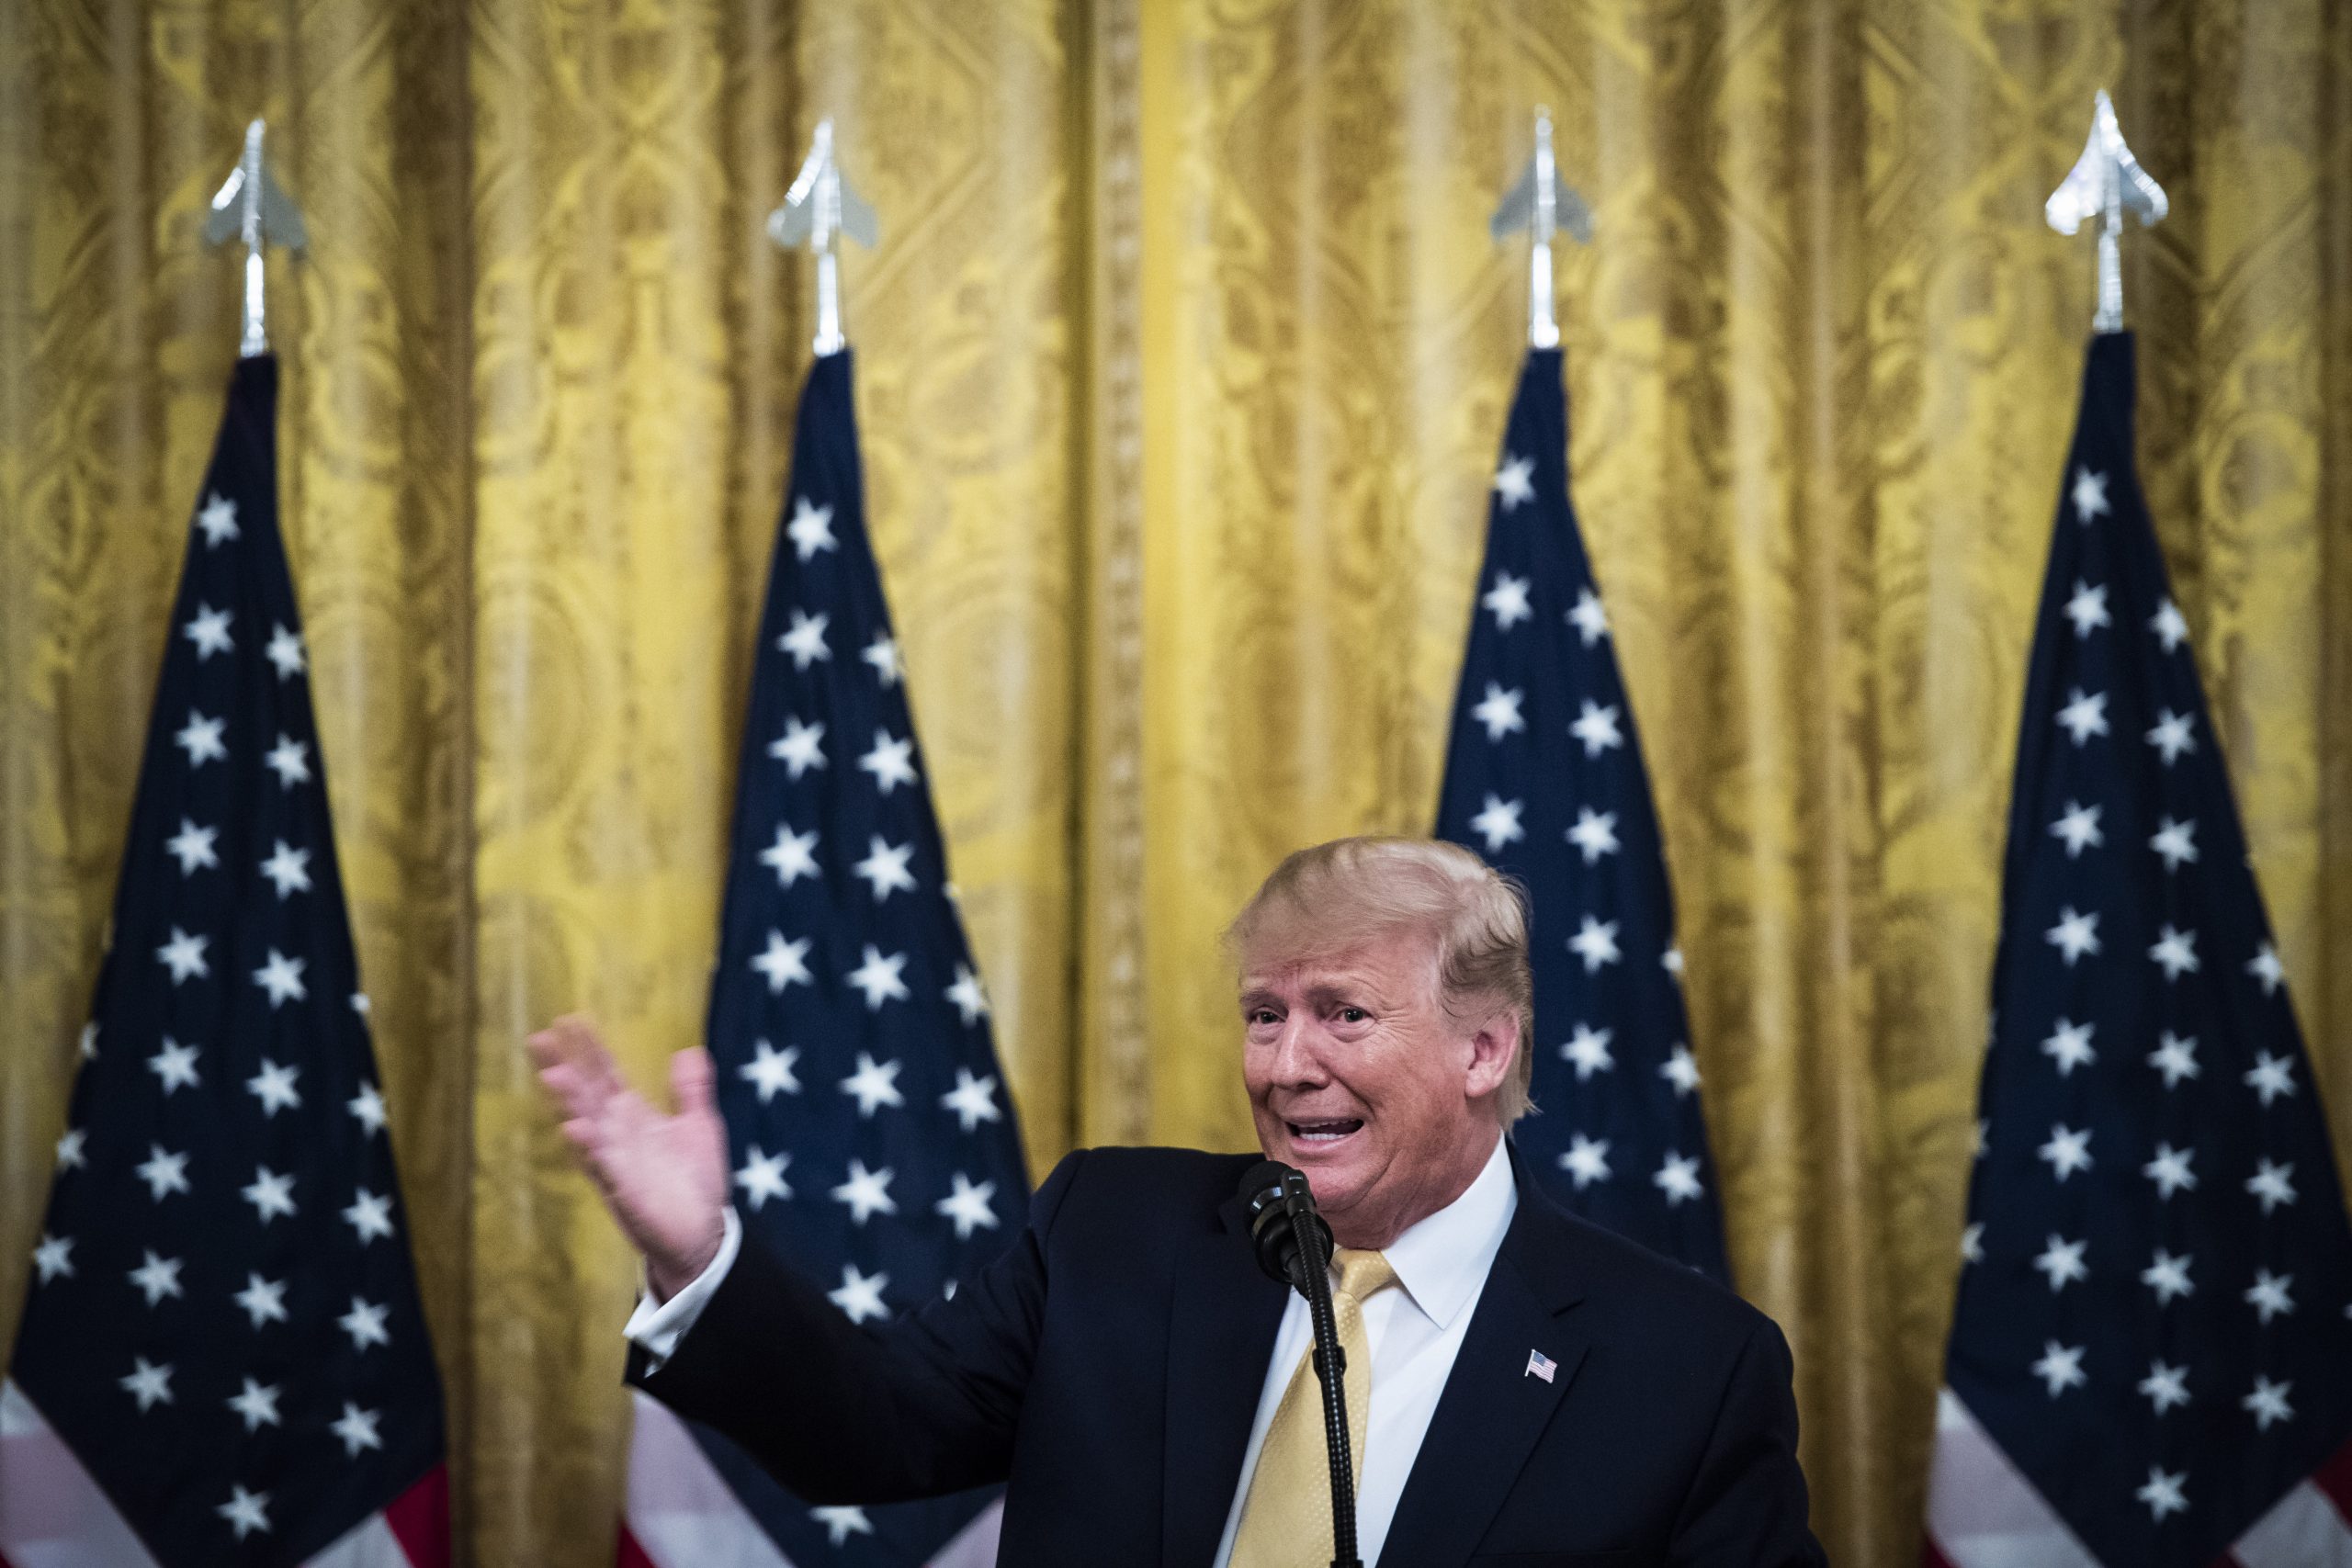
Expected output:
(1493, 1051)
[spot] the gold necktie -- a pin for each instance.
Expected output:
(1286, 1523)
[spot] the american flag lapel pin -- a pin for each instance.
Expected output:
(1539, 1365)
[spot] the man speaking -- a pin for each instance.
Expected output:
(1521, 1387)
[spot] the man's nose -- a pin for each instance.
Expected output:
(1297, 1055)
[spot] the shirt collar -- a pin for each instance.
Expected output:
(1442, 1259)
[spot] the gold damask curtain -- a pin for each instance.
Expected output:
(1180, 370)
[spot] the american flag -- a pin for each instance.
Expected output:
(222, 1358)
(2151, 1363)
(1544, 778)
(873, 1142)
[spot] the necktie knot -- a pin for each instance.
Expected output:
(1361, 1274)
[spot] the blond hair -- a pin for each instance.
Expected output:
(1337, 897)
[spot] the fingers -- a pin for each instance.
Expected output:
(576, 1068)
(690, 1082)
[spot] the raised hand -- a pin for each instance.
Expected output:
(664, 1178)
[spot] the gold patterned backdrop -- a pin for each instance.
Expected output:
(1181, 366)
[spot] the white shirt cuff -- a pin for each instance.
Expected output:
(656, 1328)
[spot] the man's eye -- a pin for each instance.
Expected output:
(1263, 1015)
(1352, 1015)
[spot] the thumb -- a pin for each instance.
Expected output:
(690, 1082)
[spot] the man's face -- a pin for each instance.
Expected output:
(1358, 1078)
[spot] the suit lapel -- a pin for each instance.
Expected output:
(1221, 1332)
(1494, 1409)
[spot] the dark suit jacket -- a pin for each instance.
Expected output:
(1109, 1364)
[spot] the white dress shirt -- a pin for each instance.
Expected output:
(1414, 1330)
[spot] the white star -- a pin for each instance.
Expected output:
(2268, 1402)
(282, 977)
(1595, 834)
(1589, 619)
(841, 1523)
(1590, 1051)
(811, 528)
(2067, 1150)
(1500, 713)
(360, 1004)
(2062, 1261)
(1514, 482)
(883, 869)
(192, 846)
(2170, 1170)
(200, 739)
(257, 1402)
(2168, 1277)
(770, 1070)
(1597, 727)
(1499, 822)
(163, 1173)
(792, 854)
(364, 1324)
(2268, 1296)
(867, 1192)
(287, 869)
(2264, 966)
(2087, 608)
(262, 1300)
(2069, 1045)
(2271, 1183)
(890, 761)
(1595, 942)
(1682, 1070)
(874, 1084)
(2061, 1367)
(882, 653)
(1984, 1133)
(69, 1148)
(285, 651)
(357, 1429)
(878, 977)
(151, 1384)
(971, 1001)
(2271, 1077)
(784, 963)
(801, 747)
(1507, 600)
(2073, 935)
(2163, 1494)
(53, 1256)
(184, 955)
(246, 1511)
(2169, 625)
(2175, 1057)
(1678, 1178)
(2176, 841)
(973, 1099)
(2177, 951)
(1671, 962)
(762, 1177)
(1587, 1160)
(88, 1047)
(368, 1106)
(290, 760)
(2171, 735)
(210, 631)
(860, 1295)
(1971, 1243)
(2166, 1387)
(218, 519)
(2079, 827)
(175, 1065)
(369, 1216)
(2090, 494)
(157, 1278)
(269, 1193)
(806, 640)
(968, 1206)
(2084, 716)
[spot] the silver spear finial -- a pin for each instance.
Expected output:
(2105, 182)
(819, 206)
(249, 206)
(1543, 206)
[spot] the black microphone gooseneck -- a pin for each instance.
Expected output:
(1294, 1245)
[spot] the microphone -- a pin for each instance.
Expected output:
(1293, 1245)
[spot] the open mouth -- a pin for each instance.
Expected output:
(1323, 1135)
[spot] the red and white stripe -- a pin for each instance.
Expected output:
(54, 1514)
(682, 1513)
(1983, 1513)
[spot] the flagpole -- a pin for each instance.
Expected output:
(2105, 182)
(250, 207)
(1541, 205)
(817, 210)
